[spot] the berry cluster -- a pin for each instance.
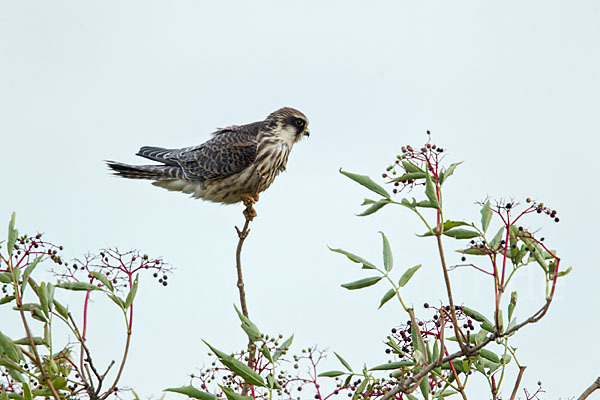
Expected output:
(409, 167)
(118, 267)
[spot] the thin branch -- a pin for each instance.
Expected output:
(242, 235)
(593, 387)
(518, 382)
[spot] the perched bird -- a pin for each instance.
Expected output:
(235, 165)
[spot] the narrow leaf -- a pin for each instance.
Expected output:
(512, 305)
(238, 368)
(331, 374)
(445, 174)
(12, 235)
(6, 299)
(410, 167)
(497, 239)
(407, 275)
(386, 297)
(374, 208)
(231, 395)
(409, 176)
(248, 326)
(490, 355)
(354, 258)
(61, 310)
(460, 233)
(392, 365)
(38, 341)
(5, 277)
(486, 216)
(388, 259)
(78, 286)
(132, 292)
(28, 272)
(344, 362)
(102, 278)
(430, 191)
(285, 346)
(362, 283)
(367, 182)
(192, 392)
(265, 351)
(11, 350)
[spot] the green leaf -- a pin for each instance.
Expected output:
(117, 300)
(430, 191)
(414, 336)
(344, 362)
(102, 278)
(192, 392)
(62, 310)
(374, 207)
(408, 204)
(132, 292)
(565, 272)
(331, 374)
(386, 297)
(424, 386)
(285, 346)
(513, 303)
(5, 277)
(474, 251)
(37, 313)
(407, 275)
(446, 226)
(497, 238)
(248, 326)
(10, 349)
(388, 259)
(367, 182)
(485, 323)
(486, 216)
(490, 355)
(265, 351)
(362, 283)
(77, 286)
(392, 365)
(43, 296)
(28, 272)
(445, 174)
(410, 167)
(427, 204)
(38, 341)
(409, 176)
(6, 299)
(360, 389)
(460, 233)
(231, 395)
(12, 235)
(354, 258)
(238, 368)
(436, 351)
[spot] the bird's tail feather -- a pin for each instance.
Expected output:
(156, 154)
(153, 172)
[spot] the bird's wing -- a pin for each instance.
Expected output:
(228, 152)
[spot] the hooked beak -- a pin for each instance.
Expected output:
(306, 132)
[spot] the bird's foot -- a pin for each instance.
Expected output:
(249, 212)
(249, 200)
(253, 199)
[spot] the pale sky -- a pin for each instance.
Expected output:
(510, 88)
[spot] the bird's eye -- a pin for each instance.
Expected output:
(299, 122)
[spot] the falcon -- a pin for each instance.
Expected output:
(235, 165)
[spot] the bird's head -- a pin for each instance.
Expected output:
(289, 124)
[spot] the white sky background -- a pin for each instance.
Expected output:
(511, 89)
